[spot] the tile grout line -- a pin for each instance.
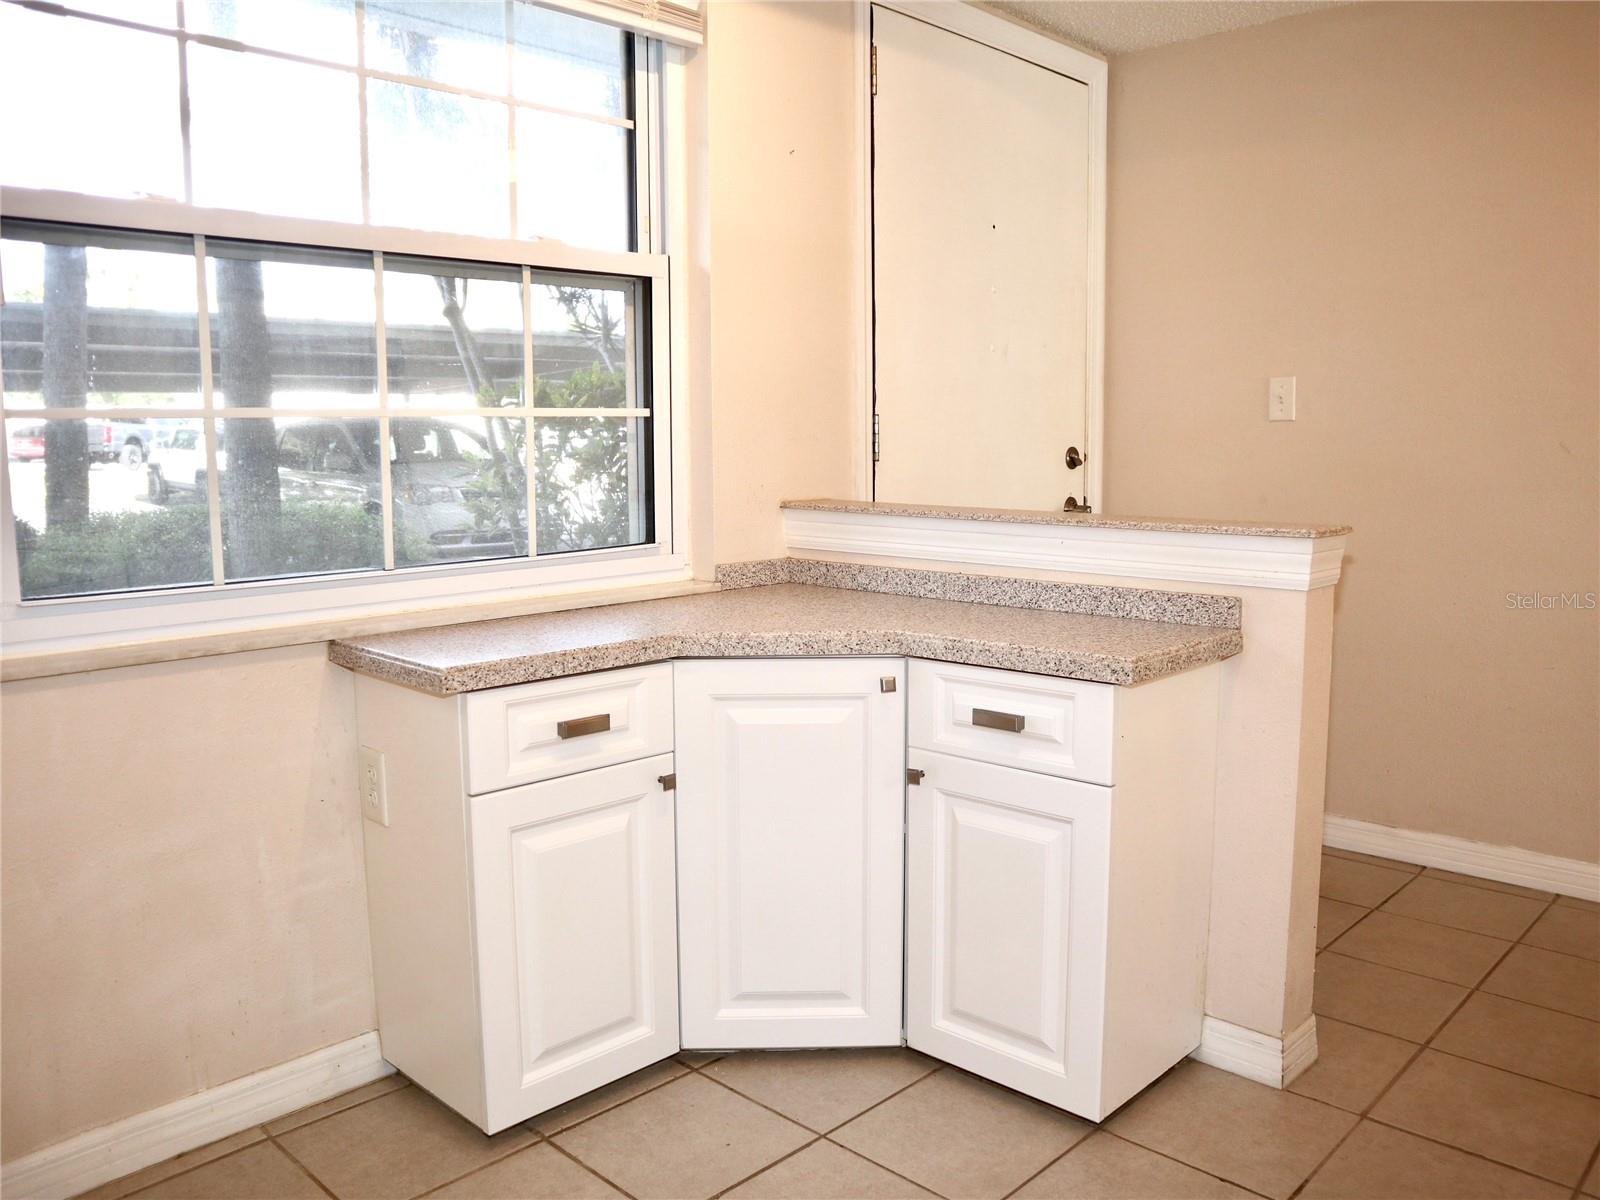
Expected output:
(851, 1150)
(145, 1187)
(1365, 1113)
(1093, 1129)
(1583, 1176)
(765, 1167)
(562, 1150)
(1428, 1045)
(310, 1174)
(687, 1070)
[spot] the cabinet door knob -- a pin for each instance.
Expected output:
(988, 718)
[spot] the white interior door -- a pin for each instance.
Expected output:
(577, 938)
(791, 800)
(1006, 925)
(981, 170)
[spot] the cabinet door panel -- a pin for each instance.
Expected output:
(576, 930)
(790, 808)
(1006, 921)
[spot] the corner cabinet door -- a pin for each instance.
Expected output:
(791, 802)
(576, 934)
(1006, 926)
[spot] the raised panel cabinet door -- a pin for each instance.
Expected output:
(791, 801)
(576, 927)
(1006, 925)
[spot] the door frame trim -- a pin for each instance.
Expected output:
(1020, 41)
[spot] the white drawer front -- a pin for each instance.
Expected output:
(1054, 726)
(536, 731)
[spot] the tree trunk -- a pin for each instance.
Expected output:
(66, 384)
(251, 501)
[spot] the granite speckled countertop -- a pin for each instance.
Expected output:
(1033, 516)
(785, 620)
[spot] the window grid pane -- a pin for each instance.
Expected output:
(321, 480)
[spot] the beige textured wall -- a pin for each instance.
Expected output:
(1398, 204)
(181, 883)
(786, 322)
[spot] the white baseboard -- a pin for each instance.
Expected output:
(1269, 1060)
(119, 1149)
(1507, 864)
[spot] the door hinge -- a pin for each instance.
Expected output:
(669, 783)
(874, 70)
(914, 776)
(877, 440)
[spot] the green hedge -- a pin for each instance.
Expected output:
(172, 546)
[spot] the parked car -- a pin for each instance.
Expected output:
(26, 443)
(110, 441)
(125, 441)
(177, 464)
(434, 469)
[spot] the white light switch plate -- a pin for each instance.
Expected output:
(374, 788)
(1280, 398)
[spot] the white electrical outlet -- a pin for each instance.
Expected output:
(374, 788)
(1280, 398)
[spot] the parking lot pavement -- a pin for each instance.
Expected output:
(112, 488)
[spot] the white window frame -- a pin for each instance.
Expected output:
(85, 622)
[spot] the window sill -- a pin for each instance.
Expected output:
(71, 657)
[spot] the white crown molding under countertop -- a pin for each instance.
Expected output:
(1238, 553)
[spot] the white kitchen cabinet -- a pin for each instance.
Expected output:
(573, 878)
(791, 791)
(1006, 925)
(524, 941)
(1056, 928)
(576, 928)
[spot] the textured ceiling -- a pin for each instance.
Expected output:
(1124, 26)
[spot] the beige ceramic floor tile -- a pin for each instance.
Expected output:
(1379, 1163)
(1382, 998)
(1247, 1133)
(1591, 1185)
(1353, 1065)
(538, 1173)
(691, 1138)
(260, 1172)
(824, 1171)
(593, 1103)
(1569, 929)
(1474, 909)
(962, 1137)
(1527, 1040)
(1560, 981)
(118, 1188)
(1334, 917)
(1535, 1127)
(315, 1112)
(1423, 948)
(401, 1144)
(821, 1088)
(1493, 885)
(1373, 860)
(1107, 1168)
(1574, 902)
(1358, 882)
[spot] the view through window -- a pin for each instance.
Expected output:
(187, 410)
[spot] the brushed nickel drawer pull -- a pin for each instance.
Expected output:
(988, 718)
(581, 726)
